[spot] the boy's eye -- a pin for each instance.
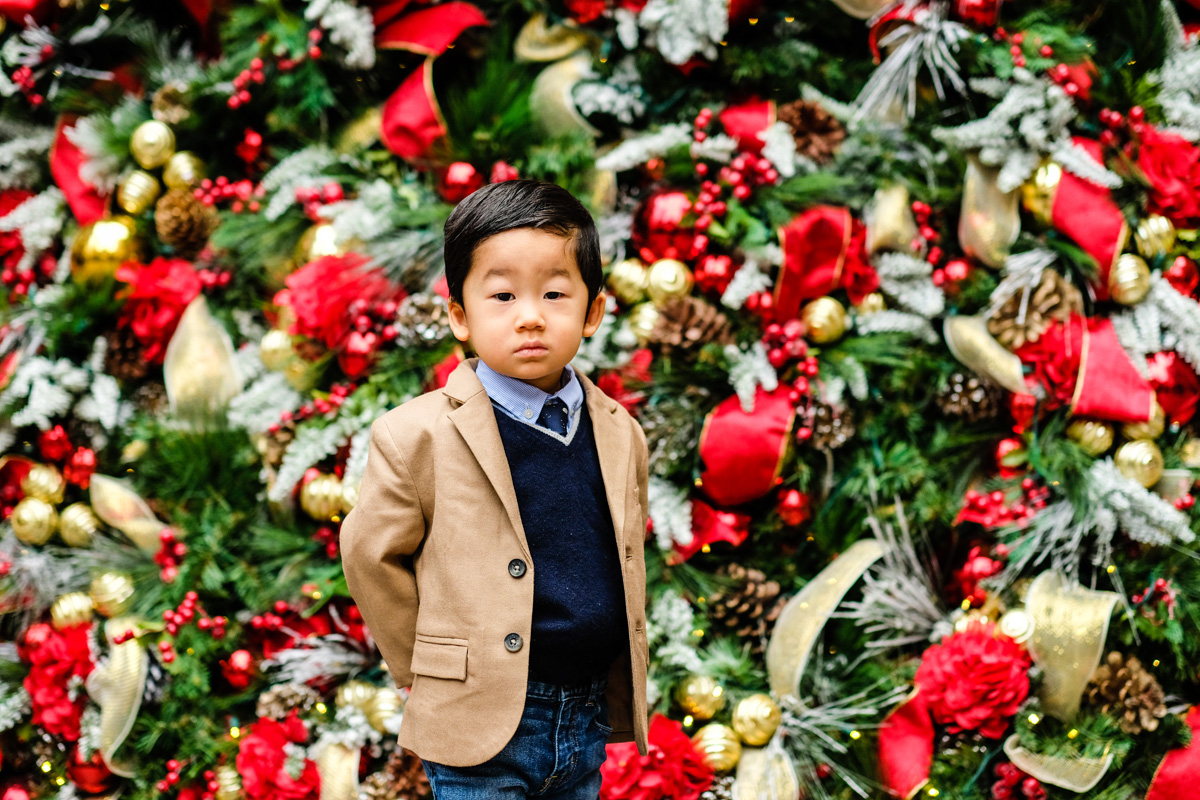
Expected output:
(503, 296)
(554, 295)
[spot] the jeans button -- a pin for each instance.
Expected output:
(513, 642)
(516, 568)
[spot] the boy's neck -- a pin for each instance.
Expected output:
(559, 384)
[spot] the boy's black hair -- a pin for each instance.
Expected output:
(507, 205)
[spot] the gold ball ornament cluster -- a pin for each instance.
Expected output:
(184, 170)
(871, 304)
(1150, 429)
(276, 349)
(719, 745)
(1155, 236)
(229, 783)
(377, 704)
(34, 520)
(103, 246)
(756, 718)
(824, 319)
(1140, 461)
(629, 280)
(701, 696)
(152, 144)
(111, 593)
(44, 482)
(138, 191)
(1129, 280)
(668, 279)
(71, 609)
(321, 498)
(1093, 435)
(77, 524)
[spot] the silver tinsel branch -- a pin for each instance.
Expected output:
(748, 370)
(620, 95)
(23, 153)
(41, 575)
(717, 147)
(14, 706)
(25, 49)
(638, 150)
(671, 512)
(907, 281)
(680, 29)
(39, 220)
(779, 147)
(316, 659)
(1022, 273)
(349, 27)
(1163, 320)
(751, 277)
(1141, 514)
(349, 728)
(261, 401)
(302, 168)
(669, 630)
(891, 321)
(1179, 77)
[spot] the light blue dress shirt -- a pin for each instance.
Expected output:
(524, 401)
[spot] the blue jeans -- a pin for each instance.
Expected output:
(555, 754)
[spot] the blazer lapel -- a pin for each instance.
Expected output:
(614, 442)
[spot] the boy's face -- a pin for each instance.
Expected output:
(525, 306)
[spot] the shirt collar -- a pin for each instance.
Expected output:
(524, 400)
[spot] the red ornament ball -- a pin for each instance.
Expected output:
(1183, 275)
(458, 180)
(980, 13)
(663, 227)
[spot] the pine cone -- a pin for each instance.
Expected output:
(721, 789)
(123, 357)
(749, 607)
(831, 429)
(1122, 686)
(818, 134)
(279, 700)
(170, 103)
(272, 446)
(422, 320)
(407, 775)
(969, 396)
(377, 786)
(1054, 299)
(183, 222)
(151, 397)
(690, 322)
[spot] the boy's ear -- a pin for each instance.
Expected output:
(458, 320)
(595, 314)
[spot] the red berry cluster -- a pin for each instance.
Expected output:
(1120, 125)
(1161, 590)
(1062, 75)
(254, 74)
(175, 619)
(312, 198)
(714, 272)
(26, 81)
(169, 555)
(241, 192)
(785, 342)
(270, 621)
(1185, 502)
(1012, 780)
(171, 778)
(992, 508)
(19, 281)
(927, 235)
(319, 405)
(214, 278)
(314, 51)
(761, 303)
(328, 537)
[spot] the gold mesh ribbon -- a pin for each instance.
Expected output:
(990, 220)
(971, 343)
(199, 369)
(1070, 624)
(338, 767)
(117, 685)
(766, 773)
(1074, 773)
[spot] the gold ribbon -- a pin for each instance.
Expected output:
(551, 100)
(199, 368)
(1074, 773)
(766, 773)
(990, 220)
(541, 41)
(124, 509)
(1070, 624)
(338, 768)
(117, 685)
(970, 342)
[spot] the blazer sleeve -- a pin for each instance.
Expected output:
(378, 539)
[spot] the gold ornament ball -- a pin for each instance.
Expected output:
(1017, 624)
(871, 304)
(77, 524)
(44, 482)
(71, 609)
(1190, 453)
(755, 718)
(668, 279)
(229, 783)
(103, 246)
(1150, 429)
(629, 280)
(34, 520)
(642, 320)
(321, 498)
(152, 143)
(825, 319)
(357, 694)
(317, 242)
(1037, 194)
(382, 707)
(1155, 236)
(138, 192)
(184, 170)
(1129, 280)
(1094, 436)
(719, 745)
(111, 593)
(701, 696)
(276, 349)
(1140, 461)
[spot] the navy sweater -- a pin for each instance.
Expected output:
(578, 596)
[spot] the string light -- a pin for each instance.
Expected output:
(1071, 734)
(235, 731)
(1034, 719)
(321, 709)
(933, 792)
(687, 721)
(855, 735)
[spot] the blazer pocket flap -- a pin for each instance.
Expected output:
(440, 658)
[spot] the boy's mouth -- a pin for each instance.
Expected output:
(532, 349)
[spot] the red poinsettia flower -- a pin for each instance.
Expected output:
(1171, 165)
(157, 296)
(56, 658)
(262, 761)
(672, 768)
(975, 680)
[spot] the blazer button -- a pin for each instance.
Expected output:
(513, 642)
(516, 568)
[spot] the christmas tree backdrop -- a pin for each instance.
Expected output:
(902, 293)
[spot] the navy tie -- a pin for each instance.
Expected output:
(554, 416)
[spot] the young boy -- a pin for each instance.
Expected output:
(496, 547)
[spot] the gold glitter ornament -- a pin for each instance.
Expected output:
(643, 318)
(152, 143)
(357, 694)
(719, 745)
(317, 242)
(184, 170)
(229, 783)
(668, 279)
(33, 520)
(77, 524)
(825, 320)
(629, 280)
(1150, 429)
(1129, 280)
(137, 192)
(1093, 435)
(111, 593)
(44, 482)
(71, 609)
(1155, 236)
(755, 718)
(701, 696)
(1140, 461)
(276, 349)
(103, 246)
(383, 707)
(321, 498)
(871, 304)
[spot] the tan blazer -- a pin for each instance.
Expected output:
(426, 553)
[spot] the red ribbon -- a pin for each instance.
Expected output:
(1088, 214)
(16, 10)
(742, 453)
(906, 746)
(711, 525)
(87, 204)
(412, 122)
(1175, 778)
(744, 122)
(822, 251)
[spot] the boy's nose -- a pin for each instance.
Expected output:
(529, 315)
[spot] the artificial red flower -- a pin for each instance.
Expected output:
(585, 11)
(975, 569)
(1171, 164)
(672, 768)
(1175, 385)
(157, 296)
(616, 383)
(262, 761)
(80, 467)
(56, 658)
(12, 250)
(975, 680)
(711, 525)
(54, 444)
(238, 669)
